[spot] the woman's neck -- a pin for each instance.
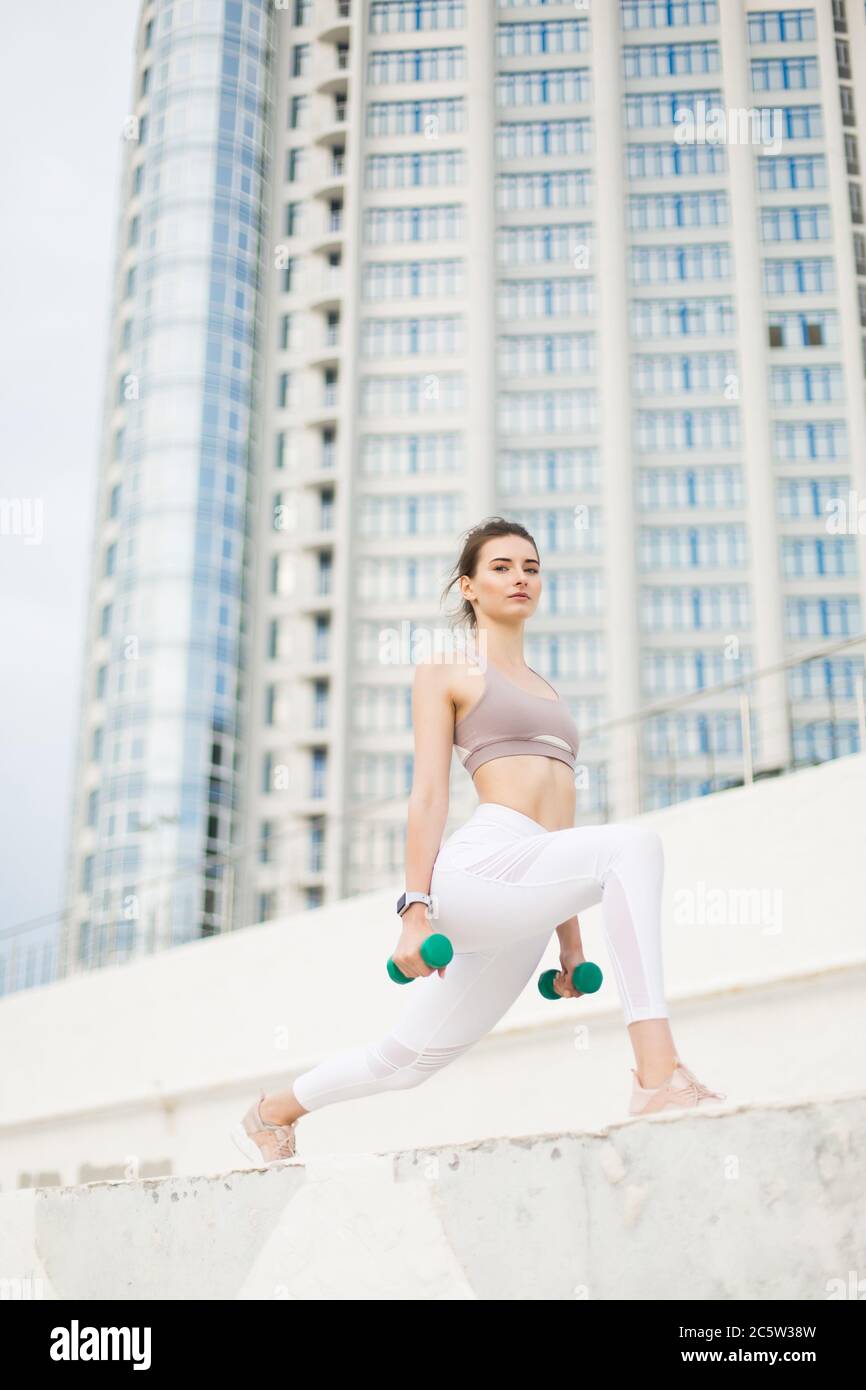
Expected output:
(503, 648)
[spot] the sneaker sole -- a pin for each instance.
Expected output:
(705, 1105)
(249, 1150)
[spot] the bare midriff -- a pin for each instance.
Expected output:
(541, 788)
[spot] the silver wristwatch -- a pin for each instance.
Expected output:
(405, 899)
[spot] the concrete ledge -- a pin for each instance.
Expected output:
(723, 1203)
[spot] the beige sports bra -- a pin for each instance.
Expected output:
(507, 721)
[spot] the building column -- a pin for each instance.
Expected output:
(622, 635)
(768, 696)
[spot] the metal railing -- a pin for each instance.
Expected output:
(769, 730)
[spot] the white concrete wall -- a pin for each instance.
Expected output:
(763, 1204)
(138, 1070)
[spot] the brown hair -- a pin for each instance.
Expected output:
(475, 538)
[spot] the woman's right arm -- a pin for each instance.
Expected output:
(433, 724)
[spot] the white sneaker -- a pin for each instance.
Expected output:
(262, 1142)
(681, 1091)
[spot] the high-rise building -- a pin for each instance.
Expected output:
(387, 267)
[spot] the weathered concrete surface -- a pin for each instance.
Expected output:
(734, 1202)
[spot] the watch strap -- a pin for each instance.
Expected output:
(406, 899)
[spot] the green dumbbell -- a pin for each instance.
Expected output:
(436, 951)
(586, 978)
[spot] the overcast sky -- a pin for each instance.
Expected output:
(65, 74)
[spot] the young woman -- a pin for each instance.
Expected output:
(500, 884)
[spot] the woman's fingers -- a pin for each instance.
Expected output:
(563, 986)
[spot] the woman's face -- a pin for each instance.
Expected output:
(507, 568)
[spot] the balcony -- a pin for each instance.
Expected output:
(336, 25)
(329, 289)
(332, 68)
(327, 355)
(328, 173)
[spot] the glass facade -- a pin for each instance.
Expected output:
(162, 782)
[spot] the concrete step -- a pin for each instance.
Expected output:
(744, 1201)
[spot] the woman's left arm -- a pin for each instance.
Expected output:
(569, 937)
(570, 955)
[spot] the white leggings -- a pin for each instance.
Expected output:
(501, 885)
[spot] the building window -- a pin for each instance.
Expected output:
(265, 835)
(317, 845)
(781, 26)
(318, 770)
(266, 906)
(299, 109)
(852, 159)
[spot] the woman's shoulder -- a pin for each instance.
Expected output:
(454, 680)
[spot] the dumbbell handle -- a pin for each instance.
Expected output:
(436, 951)
(586, 978)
